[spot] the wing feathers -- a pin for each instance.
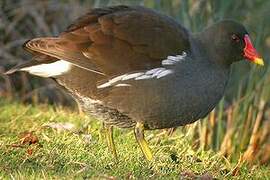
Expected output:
(116, 40)
(61, 49)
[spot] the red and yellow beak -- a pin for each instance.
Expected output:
(250, 52)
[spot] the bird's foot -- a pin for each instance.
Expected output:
(108, 129)
(139, 134)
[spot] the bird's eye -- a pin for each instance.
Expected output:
(235, 38)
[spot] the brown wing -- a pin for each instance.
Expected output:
(116, 40)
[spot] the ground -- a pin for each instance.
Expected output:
(56, 143)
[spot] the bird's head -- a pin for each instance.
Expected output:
(230, 42)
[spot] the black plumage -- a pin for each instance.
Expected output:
(132, 65)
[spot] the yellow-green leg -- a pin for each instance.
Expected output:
(139, 134)
(109, 138)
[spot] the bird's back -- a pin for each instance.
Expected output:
(126, 64)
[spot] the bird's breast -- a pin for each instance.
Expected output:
(182, 99)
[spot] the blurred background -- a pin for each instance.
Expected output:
(238, 127)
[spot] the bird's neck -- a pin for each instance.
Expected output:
(208, 51)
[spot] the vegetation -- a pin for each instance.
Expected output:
(36, 142)
(234, 140)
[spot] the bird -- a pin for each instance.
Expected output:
(134, 67)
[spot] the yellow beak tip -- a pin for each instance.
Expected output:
(259, 61)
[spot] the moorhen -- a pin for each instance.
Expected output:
(134, 67)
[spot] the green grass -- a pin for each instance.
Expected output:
(68, 154)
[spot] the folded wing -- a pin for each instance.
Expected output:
(115, 40)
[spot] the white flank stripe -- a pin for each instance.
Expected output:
(107, 84)
(155, 73)
(145, 76)
(111, 82)
(122, 85)
(174, 58)
(49, 70)
(158, 72)
(171, 60)
(168, 62)
(131, 76)
(164, 73)
(116, 79)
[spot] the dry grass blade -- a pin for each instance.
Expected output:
(252, 151)
(227, 146)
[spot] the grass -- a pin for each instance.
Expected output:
(81, 152)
